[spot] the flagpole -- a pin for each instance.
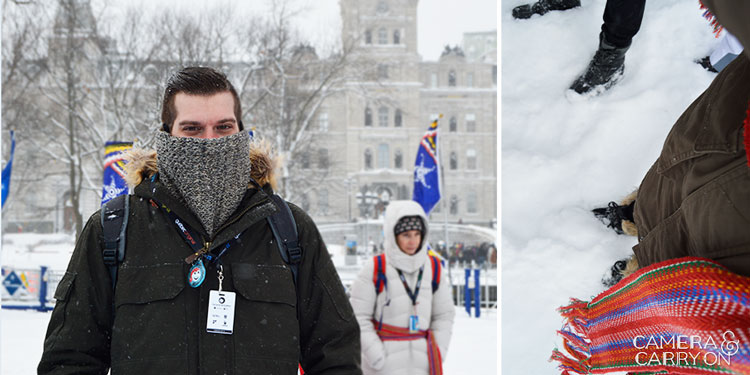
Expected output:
(441, 182)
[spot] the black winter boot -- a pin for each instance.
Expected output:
(604, 70)
(543, 6)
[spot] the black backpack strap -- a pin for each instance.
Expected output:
(284, 230)
(114, 226)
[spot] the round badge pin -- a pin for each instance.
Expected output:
(197, 274)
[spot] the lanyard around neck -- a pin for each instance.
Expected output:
(190, 235)
(414, 295)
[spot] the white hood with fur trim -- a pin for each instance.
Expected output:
(435, 310)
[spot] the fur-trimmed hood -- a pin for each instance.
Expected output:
(141, 164)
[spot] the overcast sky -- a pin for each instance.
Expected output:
(440, 22)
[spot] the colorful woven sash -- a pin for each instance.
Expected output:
(393, 333)
(682, 316)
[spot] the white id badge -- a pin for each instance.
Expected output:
(220, 312)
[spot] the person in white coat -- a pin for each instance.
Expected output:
(406, 327)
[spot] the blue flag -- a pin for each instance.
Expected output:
(427, 170)
(114, 175)
(6, 170)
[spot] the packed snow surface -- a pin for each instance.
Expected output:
(473, 348)
(563, 156)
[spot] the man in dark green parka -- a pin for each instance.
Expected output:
(197, 188)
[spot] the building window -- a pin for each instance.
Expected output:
(454, 161)
(471, 122)
(323, 201)
(323, 161)
(452, 78)
(433, 80)
(398, 119)
(383, 156)
(368, 116)
(382, 71)
(382, 36)
(471, 159)
(305, 160)
(383, 117)
(382, 7)
(368, 159)
(396, 37)
(471, 202)
(453, 125)
(398, 160)
(323, 122)
(368, 37)
(454, 205)
(494, 74)
(469, 79)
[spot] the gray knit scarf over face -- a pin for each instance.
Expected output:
(209, 175)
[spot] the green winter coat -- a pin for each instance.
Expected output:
(695, 200)
(159, 322)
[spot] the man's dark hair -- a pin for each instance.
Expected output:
(195, 80)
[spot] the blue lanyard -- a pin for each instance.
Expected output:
(414, 295)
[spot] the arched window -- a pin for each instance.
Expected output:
(396, 37)
(382, 7)
(383, 155)
(471, 159)
(454, 161)
(383, 116)
(368, 159)
(398, 160)
(368, 116)
(323, 158)
(471, 122)
(454, 205)
(382, 36)
(323, 122)
(452, 124)
(398, 119)
(368, 36)
(471, 202)
(452, 78)
(323, 201)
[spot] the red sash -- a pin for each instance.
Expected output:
(393, 333)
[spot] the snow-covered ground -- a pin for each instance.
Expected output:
(23, 337)
(473, 348)
(562, 157)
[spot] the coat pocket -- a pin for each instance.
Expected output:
(140, 285)
(265, 283)
(150, 318)
(266, 329)
(66, 284)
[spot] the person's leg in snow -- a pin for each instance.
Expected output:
(622, 20)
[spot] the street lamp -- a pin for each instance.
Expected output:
(366, 200)
(349, 181)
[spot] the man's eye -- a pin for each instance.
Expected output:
(191, 129)
(225, 127)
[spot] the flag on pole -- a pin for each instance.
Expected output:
(427, 170)
(114, 175)
(6, 170)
